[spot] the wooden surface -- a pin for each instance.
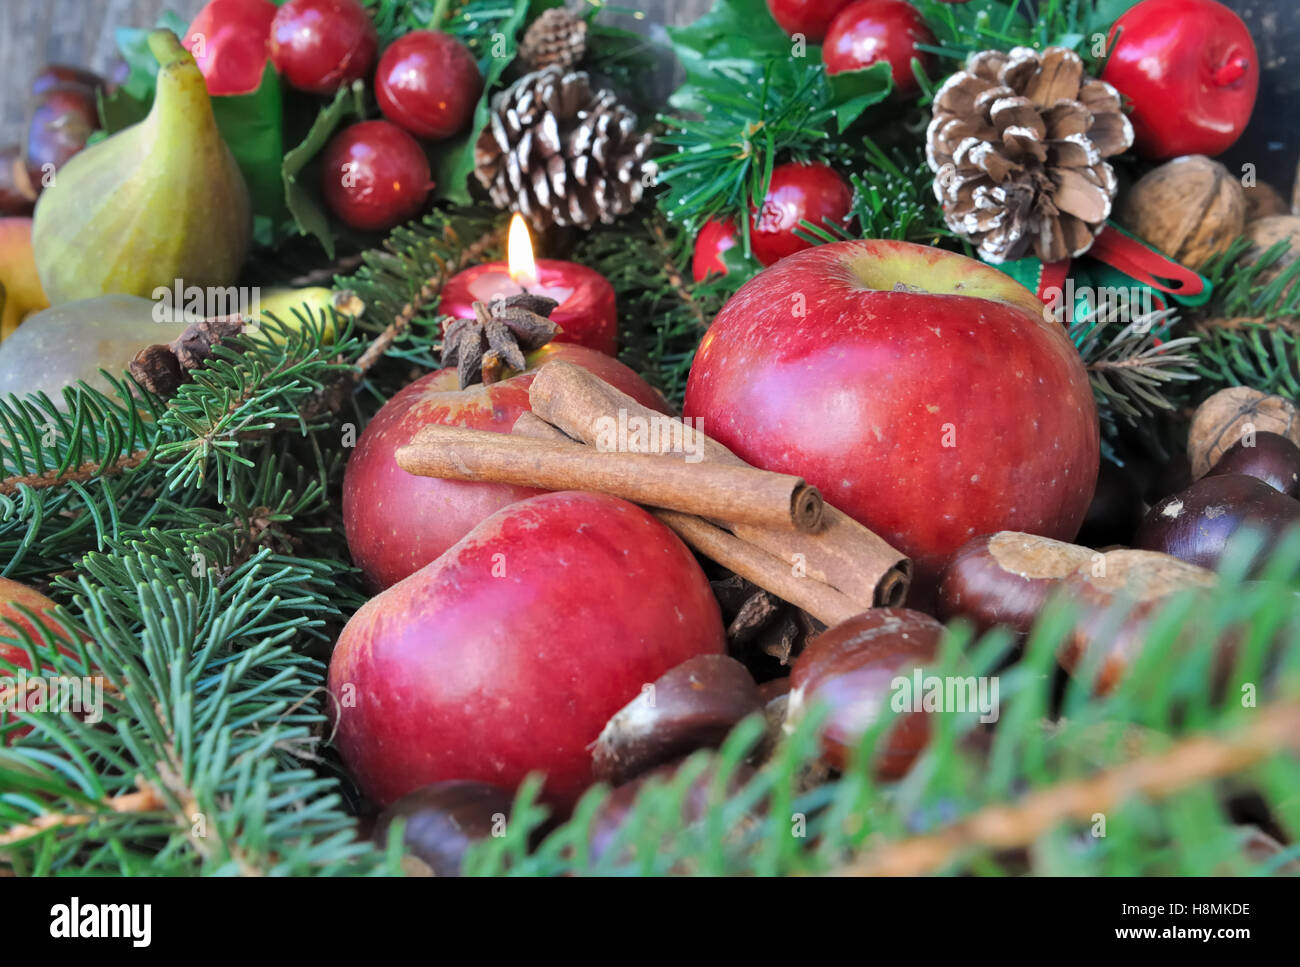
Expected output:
(35, 32)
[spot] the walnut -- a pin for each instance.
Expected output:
(1267, 232)
(1228, 415)
(1190, 208)
(1263, 200)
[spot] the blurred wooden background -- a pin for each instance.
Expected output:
(36, 32)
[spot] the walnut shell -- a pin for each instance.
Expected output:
(1263, 200)
(1190, 208)
(1267, 232)
(1221, 421)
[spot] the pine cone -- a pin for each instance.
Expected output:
(560, 154)
(1016, 145)
(556, 37)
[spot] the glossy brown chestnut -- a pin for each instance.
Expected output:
(15, 188)
(692, 706)
(1005, 578)
(444, 819)
(1269, 457)
(1132, 583)
(851, 668)
(615, 811)
(1196, 524)
(62, 121)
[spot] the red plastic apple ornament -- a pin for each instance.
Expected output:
(429, 83)
(923, 392)
(869, 31)
(230, 41)
(320, 45)
(715, 237)
(797, 192)
(807, 17)
(511, 651)
(1191, 71)
(374, 175)
(397, 522)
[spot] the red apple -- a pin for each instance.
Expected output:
(397, 522)
(807, 17)
(869, 31)
(715, 237)
(797, 192)
(509, 653)
(923, 392)
(12, 625)
(1191, 71)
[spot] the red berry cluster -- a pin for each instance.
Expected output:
(375, 174)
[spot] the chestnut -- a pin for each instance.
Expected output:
(1270, 457)
(1232, 414)
(691, 706)
(851, 668)
(1005, 578)
(444, 819)
(615, 810)
(62, 121)
(1196, 524)
(1142, 580)
(15, 185)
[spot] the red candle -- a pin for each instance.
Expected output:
(586, 313)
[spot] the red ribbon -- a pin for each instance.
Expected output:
(1137, 261)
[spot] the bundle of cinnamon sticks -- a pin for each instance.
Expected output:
(770, 528)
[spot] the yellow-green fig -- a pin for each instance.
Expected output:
(158, 202)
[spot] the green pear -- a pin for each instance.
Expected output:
(158, 202)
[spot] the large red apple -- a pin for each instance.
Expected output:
(510, 652)
(397, 522)
(1191, 71)
(923, 392)
(13, 623)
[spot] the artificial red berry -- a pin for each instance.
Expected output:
(230, 41)
(869, 31)
(428, 83)
(715, 237)
(807, 17)
(320, 45)
(798, 192)
(375, 175)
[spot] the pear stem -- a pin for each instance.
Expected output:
(166, 47)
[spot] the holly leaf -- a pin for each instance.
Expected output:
(253, 126)
(304, 205)
(852, 92)
(735, 37)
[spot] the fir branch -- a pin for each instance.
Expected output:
(1193, 760)
(1131, 367)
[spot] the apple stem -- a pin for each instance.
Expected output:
(1230, 73)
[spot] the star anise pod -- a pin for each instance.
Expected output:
(495, 340)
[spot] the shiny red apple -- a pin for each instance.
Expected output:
(13, 623)
(807, 17)
(509, 653)
(923, 392)
(715, 237)
(1191, 71)
(869, 31)
(397, 522)
(798, 192)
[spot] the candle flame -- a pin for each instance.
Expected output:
(519, 253)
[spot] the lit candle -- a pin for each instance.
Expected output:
(586, 313)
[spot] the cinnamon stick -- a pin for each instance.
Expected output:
(728, 492)
(843, 554)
